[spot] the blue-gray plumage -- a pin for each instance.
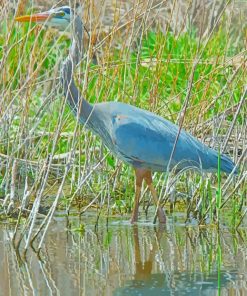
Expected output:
(136, 136)
(145, 140)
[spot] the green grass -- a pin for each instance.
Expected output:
(219, 191)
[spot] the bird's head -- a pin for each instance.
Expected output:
(59, 18)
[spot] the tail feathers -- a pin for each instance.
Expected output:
(226, 164)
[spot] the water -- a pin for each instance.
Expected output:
(126, 260)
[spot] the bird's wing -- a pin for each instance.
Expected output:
(146, 140)
(149, 140)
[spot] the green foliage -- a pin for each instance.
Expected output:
(108, 238)
(80, 229)
(151, 77)
(219, 193)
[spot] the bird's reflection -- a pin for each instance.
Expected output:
(146, 283)
(143, 270)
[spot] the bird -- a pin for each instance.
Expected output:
(142, 139)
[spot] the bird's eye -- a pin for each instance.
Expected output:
(61, 13)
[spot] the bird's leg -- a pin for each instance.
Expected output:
(149, 181)
(139, 180)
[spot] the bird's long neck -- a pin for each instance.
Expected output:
(74, 98)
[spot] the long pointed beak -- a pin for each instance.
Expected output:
(38, 17)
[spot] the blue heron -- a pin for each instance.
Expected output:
(138, 137)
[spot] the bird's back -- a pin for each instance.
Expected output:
(146, 140)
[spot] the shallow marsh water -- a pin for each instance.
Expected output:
(126, 260)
